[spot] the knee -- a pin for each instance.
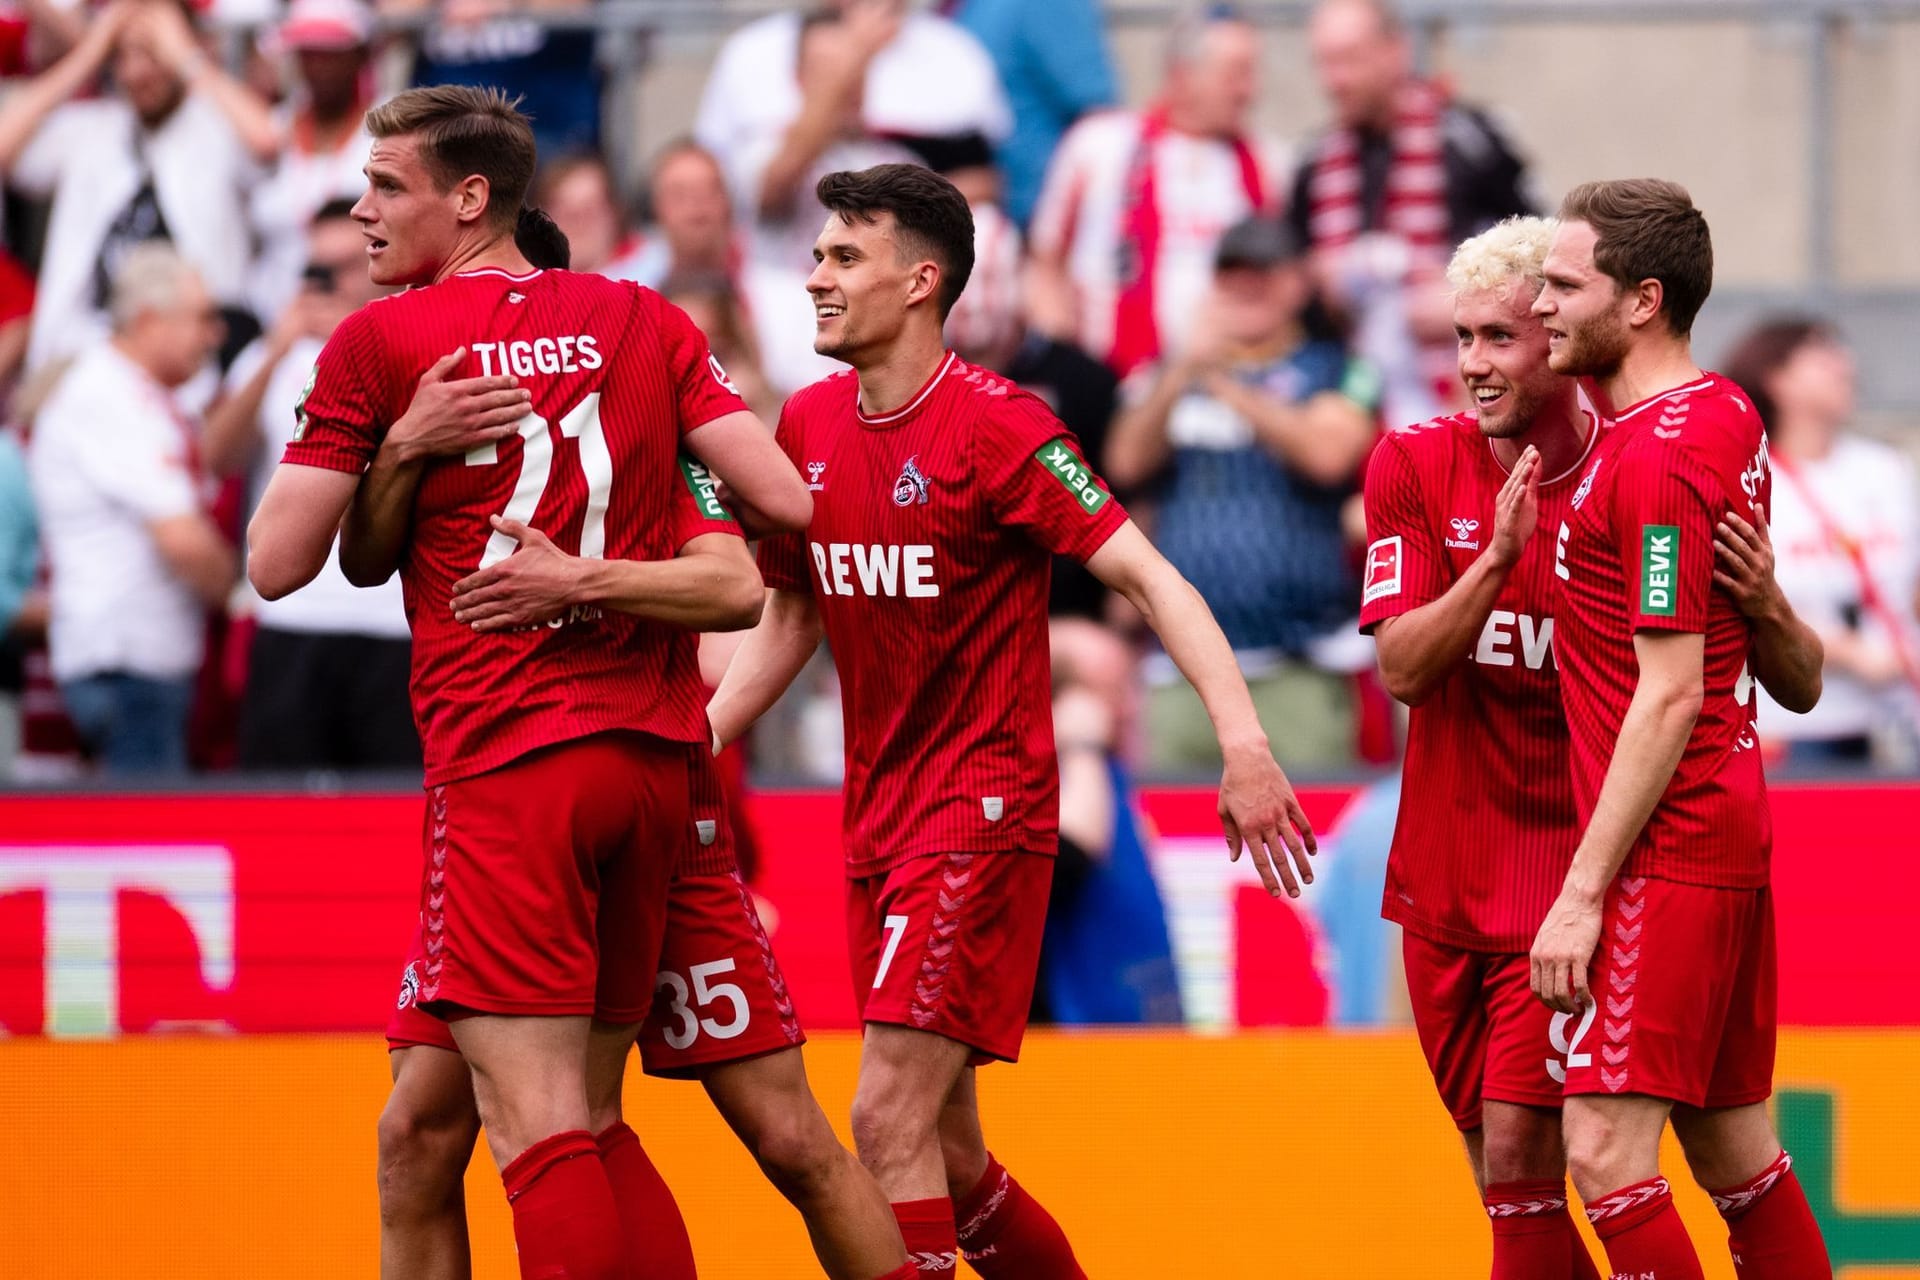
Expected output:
(964, 1154)
(1600, 1157)
(888, 1128)
(799, 1154)
(423, 1156)
(1533, 1154)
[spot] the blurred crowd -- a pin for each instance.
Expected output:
(1227, 320)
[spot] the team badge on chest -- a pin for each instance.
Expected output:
(911, 488)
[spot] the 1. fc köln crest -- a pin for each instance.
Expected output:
(911, 487)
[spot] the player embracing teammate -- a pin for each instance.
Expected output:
(1462, 595)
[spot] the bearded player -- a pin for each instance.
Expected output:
(1459, 598)
(940, 492)
(556, 757)
(1660, 944)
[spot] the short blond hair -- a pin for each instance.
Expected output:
(1509, 255)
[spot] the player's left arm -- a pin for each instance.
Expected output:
(292, 530)
(1787, 653)
(762, 485)
(1257, 804)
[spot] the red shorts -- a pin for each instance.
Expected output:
(950, 943)
(544, 889)
(1685, 989)
(1485, 1034)
(719, 994)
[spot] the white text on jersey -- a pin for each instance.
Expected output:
(866, 569)
(525, 357)
(1496, 647)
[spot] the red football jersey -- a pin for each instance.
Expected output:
(928, 555)
(618, 375)
(1486, 827)
(1636, 554)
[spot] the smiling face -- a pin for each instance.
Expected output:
(1585, 312)
(409, 223)
(1504, 359)
(862, 284)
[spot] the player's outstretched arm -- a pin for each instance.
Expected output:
(1653, 736)
(712, 585)
(292, 530)
(1787, 653)
(765, 664)
(1257, 806)
(762, 487)
(1419, 649)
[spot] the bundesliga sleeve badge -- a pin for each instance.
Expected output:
(1383, 570)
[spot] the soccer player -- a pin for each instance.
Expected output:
(556, 757)
(1661, 941)
(940, 492)
(1459, 597)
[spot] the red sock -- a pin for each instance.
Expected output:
(1530, 1226)
(656, 1234)
(1583, 1268)
(564, 1219)
(1642, 1233)
(907, 1271)
(1770, 1227)
(1005, 1234)
(927, 1227)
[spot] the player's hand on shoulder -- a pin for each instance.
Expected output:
(1516, 509)
(1563, 952)
(1743, 565)
(1260, 813)
(530, 588)
(450, 416)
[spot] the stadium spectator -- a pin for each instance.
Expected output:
(1257, 435)
(713, 304)
(170, 156)
(1053, 63)
(552, 69)
(326, 142)
(579, 193)
(1401, 176)
(1845, 529)
(327, 677)
(19, 567)
(691, 216)
(1135, 201)
(926, 82)
(135, 560)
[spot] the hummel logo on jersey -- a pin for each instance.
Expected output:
(911, 487)
(515, 296)
(814, 471)
(1463, 531)
(1057, 458)
(1659, 551)
(1383, 570)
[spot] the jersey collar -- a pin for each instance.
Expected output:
(907, 410)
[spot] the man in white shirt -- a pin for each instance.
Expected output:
(327, 675)
(170, 156)
(134, 559)
(1135, 201)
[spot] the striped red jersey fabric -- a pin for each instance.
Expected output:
(1636, 554)
(618, 376)
(928, 555)
(1486, 827)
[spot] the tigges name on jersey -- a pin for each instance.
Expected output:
(875, 569)
(1659, 552)
(1507, 633)
(525, 357)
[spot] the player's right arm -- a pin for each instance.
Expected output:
(1417, 650)
(765, 664)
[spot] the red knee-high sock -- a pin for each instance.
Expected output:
(656, 1234)
(1771, 1229)
(564, 1219)
(1005, 1234)
(927, 1227)
(1642, 1233)
(906, 1271)
(1530, 1226)
(1582, 1261)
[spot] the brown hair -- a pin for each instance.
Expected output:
(1764, 349)
(1648, 229)
(464, 132)
(929, 212)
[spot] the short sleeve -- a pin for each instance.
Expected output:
(702, 391)
(783, 557)
(1036, 479)
(344, 410)
(1665, 506)
(1405, 566)
(697, 509)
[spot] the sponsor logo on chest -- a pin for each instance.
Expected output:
(1508, 636)
(875, 569)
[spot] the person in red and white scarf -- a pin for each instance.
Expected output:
(1135, 201)
(1402, 175)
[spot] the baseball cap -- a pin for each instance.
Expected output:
(1256, 242)
(326, 24)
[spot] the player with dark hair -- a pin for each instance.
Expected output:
(556, 756)
(940, 492)
(1660, 945)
